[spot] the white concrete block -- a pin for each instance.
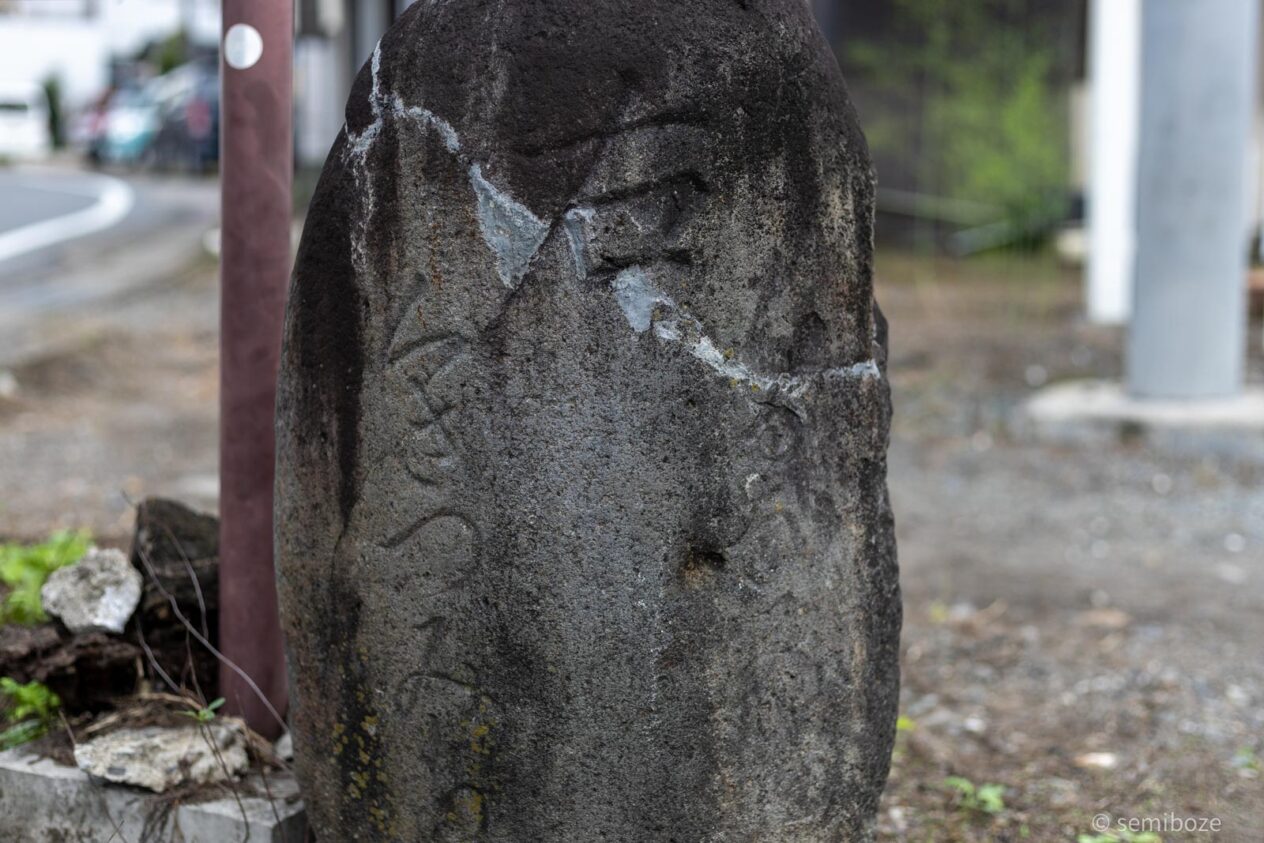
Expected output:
(45, 802)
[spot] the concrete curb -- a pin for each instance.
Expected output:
(1097, 413)
(41, 800)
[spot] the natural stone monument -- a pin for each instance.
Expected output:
(582, 521)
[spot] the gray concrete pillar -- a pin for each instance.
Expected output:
(1198, 67)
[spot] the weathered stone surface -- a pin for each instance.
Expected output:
(582, 520)
(160, 758)
(100, 591)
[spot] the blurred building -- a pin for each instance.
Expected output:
(334, 40)
(77, 41)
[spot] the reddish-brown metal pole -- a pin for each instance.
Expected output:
(256, 180)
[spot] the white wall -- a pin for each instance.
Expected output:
(49, 37)
(321, 83)
(128, 24)
(32, 49)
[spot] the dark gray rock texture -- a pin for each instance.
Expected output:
(583, 529)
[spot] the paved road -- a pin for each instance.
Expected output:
(50, 218)
(77, 241)
(27, 198)
(43, 208)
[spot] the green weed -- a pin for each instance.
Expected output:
(24, 569)
(1121, 835)
(206, 713)
(32, 708)
(977, 799)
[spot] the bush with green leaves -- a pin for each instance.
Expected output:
(25, 568)
(977, 92)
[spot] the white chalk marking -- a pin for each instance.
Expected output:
(451, 140)
(637, 298)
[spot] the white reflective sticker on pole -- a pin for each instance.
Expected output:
(243, 45)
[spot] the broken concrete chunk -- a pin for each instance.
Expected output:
(100, 591)
(160, 758)
(284, 747)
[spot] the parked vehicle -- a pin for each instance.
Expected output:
(87, 129)
(131, 123)
(171, 122)
(25, 132)
(188, 136)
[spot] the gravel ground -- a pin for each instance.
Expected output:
(1083, 625)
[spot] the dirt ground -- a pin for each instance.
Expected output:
(130, 412)
(1083, 625)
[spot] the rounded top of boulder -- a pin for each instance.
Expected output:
(539, 90)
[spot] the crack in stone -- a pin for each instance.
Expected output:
(573, 222)
(511, 231)
(514, 235)
(645, 307)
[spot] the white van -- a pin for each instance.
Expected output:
(24, 129)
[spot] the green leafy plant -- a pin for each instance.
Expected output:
(974, 93)
(34, 699)
(206, 713)
(977, 799)
(169, 53)
(32, 708)
(25, 568)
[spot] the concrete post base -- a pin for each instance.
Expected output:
(1098, 412)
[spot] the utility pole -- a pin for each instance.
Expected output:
(1198, 71)
(256, 181)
